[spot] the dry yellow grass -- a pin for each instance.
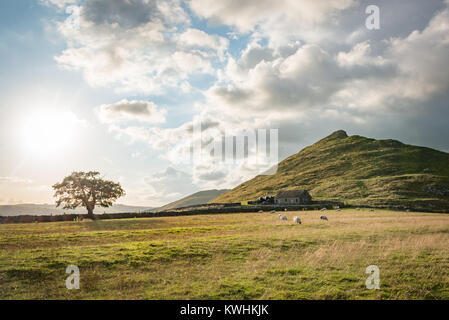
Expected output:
(231, 256)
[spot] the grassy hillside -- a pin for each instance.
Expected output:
(360, 171)
(230, 256)
(194, 199)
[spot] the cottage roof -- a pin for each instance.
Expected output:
(291, 193)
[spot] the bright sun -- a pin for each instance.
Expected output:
(47, 134)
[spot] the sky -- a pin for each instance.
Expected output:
(117, 86)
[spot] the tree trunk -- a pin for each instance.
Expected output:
(90, 213)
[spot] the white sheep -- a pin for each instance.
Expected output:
(282, 217)
(323, 218)
(273, 211)
(323, 209)
(371, 209)
(297, 220)
(260, 211)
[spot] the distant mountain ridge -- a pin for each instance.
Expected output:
(50, 209)
(358, 171)
(197, 198)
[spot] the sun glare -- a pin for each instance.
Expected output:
(48, 134)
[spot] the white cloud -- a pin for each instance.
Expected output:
(141, 46)
(310, 77)
(280, 21)
(58, 3)
(124, 110)
(299, 81)
(359, 55)
(15, 180)
(413, 64)
(420, 57)
(194, 38)
(191, 63)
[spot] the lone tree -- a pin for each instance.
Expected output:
(86, 189)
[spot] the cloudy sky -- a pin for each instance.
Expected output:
(117, 85)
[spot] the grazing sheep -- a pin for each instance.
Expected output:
(323, 209)
(371, 209)
(358, 209)
(323, 218)
(260, 211)
(297, 220)
(273, 211)
(285, 209)
(282, 217)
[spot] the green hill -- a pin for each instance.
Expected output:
(193, 199)
(358, 171)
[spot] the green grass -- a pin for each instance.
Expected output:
(358, 171)
(230, 256)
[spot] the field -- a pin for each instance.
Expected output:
(230, 256)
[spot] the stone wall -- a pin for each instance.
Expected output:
(205, 209)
